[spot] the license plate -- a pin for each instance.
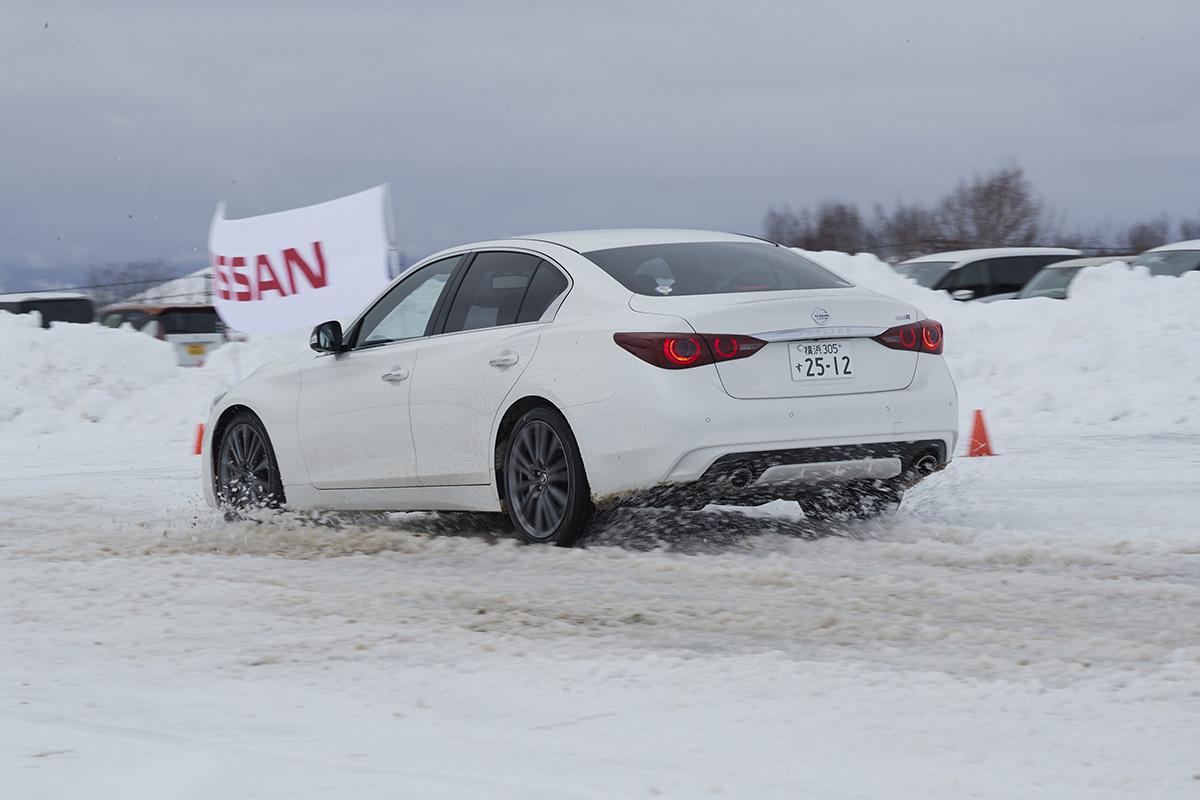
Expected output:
(195, 349)
(822, 361)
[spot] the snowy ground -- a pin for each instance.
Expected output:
(1027, 626)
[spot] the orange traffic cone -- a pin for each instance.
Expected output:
(199, 439)
(980, 446)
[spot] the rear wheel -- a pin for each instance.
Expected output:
(247, 474)
(545, 488)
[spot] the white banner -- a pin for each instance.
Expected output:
(296, 269)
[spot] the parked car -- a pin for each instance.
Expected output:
(1171, 259)
(996, 272)
(53, 306)
(1054, 279)
(549, 375)
(194, 330)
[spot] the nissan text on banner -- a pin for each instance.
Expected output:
(299, 268)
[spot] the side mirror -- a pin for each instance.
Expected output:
(963, 294)
(327, 337)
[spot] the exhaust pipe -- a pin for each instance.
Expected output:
(926, 465)
(741, 478)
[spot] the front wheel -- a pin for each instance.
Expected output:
(545, 488)
(247, 474)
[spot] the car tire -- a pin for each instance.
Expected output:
(546, 491)
(245, 470)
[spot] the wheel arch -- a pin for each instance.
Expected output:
(219, 429)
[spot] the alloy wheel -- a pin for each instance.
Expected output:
(245, 470)
(538, 479)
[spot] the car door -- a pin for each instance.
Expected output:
(974, 278)
(1010, 274)
(353, 410)
(487, 337)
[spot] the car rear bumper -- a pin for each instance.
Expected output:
(662, 429)
(761, 476)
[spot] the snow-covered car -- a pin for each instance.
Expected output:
(549, 375)
(1171, 259)
(193, 330)
(994, 273)
(1054, 280)
(52, 306)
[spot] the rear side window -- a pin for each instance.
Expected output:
(1010, 274)
(547, 284)
(712, 268)
(492, 291)
(187, 320)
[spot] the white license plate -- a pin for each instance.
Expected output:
(822, 361)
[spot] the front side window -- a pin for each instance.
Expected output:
(404, 312)
(926, 273)
(1050, 282)
(975, 277)
(492, 291)
(712, 268)
(1169, 262)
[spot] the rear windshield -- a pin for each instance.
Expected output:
(926, 273)
(712, 268)
(1050, 282)
(116, 319)
(1169, 262)
(200, 320)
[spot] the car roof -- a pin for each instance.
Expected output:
(1094, 261)
(1189, 244)
(587, 241)
(20, 297)
(963, 257)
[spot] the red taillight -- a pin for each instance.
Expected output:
(920, 337)
(680, 351)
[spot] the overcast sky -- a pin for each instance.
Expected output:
(124, 122)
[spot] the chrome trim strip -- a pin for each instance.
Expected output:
(830, 471)
(828, 332)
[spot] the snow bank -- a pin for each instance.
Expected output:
(1120, 354)
(73, 373)
(84, 374)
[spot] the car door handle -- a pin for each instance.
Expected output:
(395, 376)
(505, 359)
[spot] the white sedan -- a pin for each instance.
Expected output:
(551, 375)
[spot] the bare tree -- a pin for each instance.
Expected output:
(1189, 228)
(998, 209)
(835, 225)
(787, 227)
(1142, 236)
(115, 282)
(908, 230)
(839, 226)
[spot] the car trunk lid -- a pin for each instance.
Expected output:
(819, 342)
